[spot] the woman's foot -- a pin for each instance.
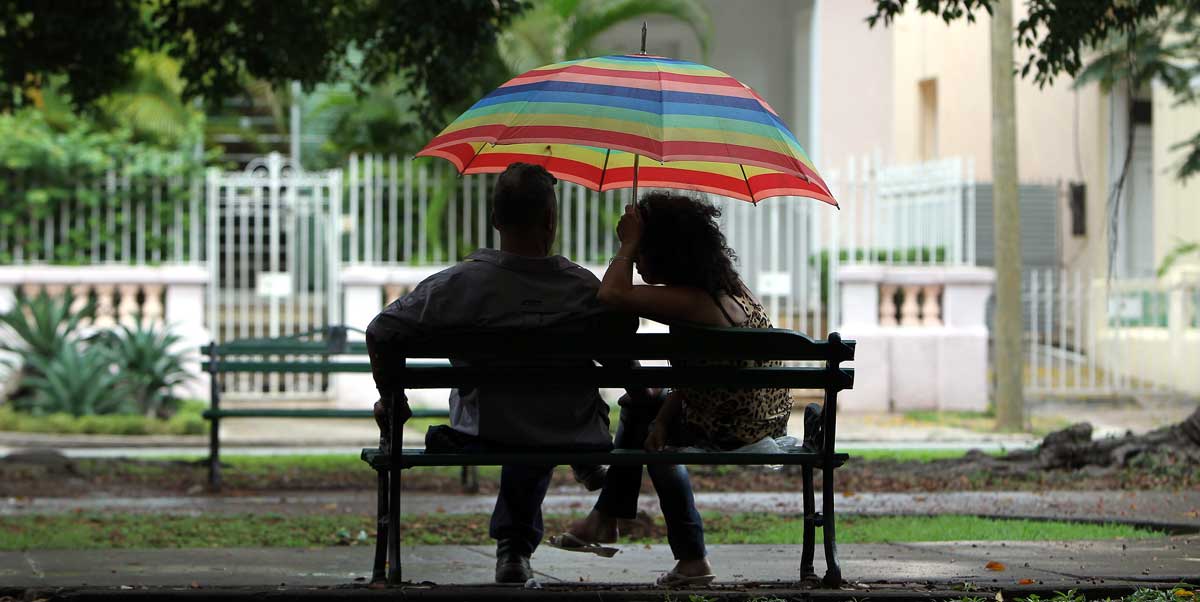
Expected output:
(595, 528)
(693, 568)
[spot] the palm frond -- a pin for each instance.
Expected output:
(594, 17)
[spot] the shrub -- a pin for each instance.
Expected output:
(150, 365)
(40, 327)
(187, 421)
(79, 381)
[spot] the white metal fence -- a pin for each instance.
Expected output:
(1088, 336)
(120, 218)
(399, 211)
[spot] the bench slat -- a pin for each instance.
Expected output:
(311, 413)
(412, 457)
(446, 377)
(680, 344)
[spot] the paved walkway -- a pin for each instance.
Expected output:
(1165, 508)
(1164, 560)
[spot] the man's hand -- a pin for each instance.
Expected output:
(657, 439)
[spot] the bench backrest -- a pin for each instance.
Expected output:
(483, 351)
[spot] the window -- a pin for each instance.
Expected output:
(927, 97)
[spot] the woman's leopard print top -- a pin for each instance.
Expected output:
(730, 418)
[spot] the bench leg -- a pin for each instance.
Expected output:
(379, 572)
(807, 572)
(833, 574)
(214, 456)
(396, 445)
(470, 479)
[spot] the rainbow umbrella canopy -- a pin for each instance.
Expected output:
(593, 121)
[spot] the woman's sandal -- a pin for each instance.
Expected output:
(571, 543)
(671, 579)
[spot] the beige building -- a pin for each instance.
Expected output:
(920, 90)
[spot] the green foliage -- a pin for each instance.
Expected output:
(79, 380)
(50, 169)
(40, 327)
(1180, 251)
(129, 370)
(435, 45)
(559, 30)
(150, 362)
(187, 421)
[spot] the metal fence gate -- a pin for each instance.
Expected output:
(274, 253)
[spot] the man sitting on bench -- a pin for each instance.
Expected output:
(519, 287)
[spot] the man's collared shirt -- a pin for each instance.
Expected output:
(495, 290)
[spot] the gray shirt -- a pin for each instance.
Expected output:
(494, 290)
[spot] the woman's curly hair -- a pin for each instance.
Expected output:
(683, 243)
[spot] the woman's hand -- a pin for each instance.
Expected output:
(629, 229)
(657, 439)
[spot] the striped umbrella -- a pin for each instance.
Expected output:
(591, 122)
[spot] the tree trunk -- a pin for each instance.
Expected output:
(1073, 448)
(1008, 329)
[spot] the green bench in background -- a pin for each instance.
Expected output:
(261, 356)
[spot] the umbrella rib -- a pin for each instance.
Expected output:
(747, 181)
(604, 170)
(473, 157)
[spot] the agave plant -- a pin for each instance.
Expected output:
(149, 363)
(40, 327)
(78, 380)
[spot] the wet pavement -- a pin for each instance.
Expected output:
(1163, 508)
(1056, 564)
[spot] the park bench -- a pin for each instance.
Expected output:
(542, 358)
(322, 352)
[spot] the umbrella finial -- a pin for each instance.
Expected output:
(643, 37)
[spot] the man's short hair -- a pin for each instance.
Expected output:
(524, 194)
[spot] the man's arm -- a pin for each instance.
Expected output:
(401, 320)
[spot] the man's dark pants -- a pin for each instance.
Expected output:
(516, 522)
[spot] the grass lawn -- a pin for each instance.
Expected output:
(96, 531)
(241, 467)
(982, 422)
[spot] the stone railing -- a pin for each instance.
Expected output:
(170, 295)
(922, 336)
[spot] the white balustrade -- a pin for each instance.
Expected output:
(930, 351)
(160, 295)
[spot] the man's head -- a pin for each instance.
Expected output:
(525, 209)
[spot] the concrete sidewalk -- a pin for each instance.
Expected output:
(1053, 564)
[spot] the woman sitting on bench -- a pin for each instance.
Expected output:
(675, 241)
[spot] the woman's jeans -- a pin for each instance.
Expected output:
(619, 498)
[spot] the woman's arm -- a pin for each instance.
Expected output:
(667, 413)
(665, 303)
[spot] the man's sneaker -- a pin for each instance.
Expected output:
(511, 567)
(591, 477)
(814, 432)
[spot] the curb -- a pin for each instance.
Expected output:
(1094, 589)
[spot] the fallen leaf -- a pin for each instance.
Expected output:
(1184, 593)
(995, 566)
(1025, 582)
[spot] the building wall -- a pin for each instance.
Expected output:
(854, 95)
(1176, 203)
(762, 43)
